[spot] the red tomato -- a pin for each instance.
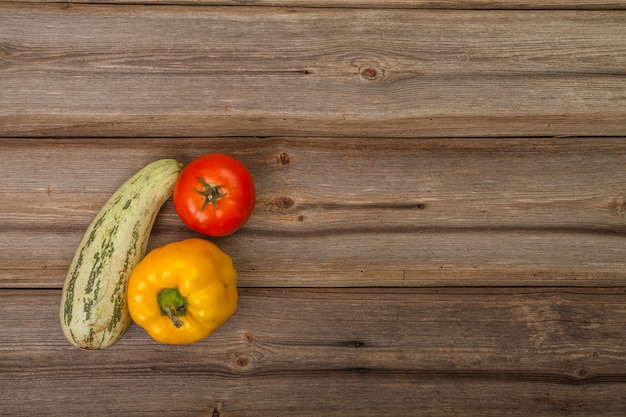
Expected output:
(214, 195)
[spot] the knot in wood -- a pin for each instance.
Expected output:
(249, 337)
(216, 409)
(284, 203)
(245, 362)
(370, 74)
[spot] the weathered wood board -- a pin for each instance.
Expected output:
(358, 212)
(441, 202)
(385, 4)
(117, 70)
(351, 351)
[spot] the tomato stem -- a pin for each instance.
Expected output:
(211, 193)
(172, 304)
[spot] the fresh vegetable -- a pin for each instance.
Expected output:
(183, 291)
(94, 312)
(214, 195)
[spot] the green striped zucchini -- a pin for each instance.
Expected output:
(94, 310)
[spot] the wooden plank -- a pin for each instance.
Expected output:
(297, 352)
(330, 393)
(385, 4)
(384, 259)
(347, 212)
(185, 71)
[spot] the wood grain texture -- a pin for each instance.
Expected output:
(441, 351)
(94, 70)
(441, 207)
(348, 212)
(381, 4)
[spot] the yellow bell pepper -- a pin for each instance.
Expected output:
(183, 291)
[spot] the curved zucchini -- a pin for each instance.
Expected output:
(94, 310)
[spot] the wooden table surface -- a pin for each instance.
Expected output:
(441, 202)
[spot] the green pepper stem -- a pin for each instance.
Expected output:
(172, 304)
(172, 316)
